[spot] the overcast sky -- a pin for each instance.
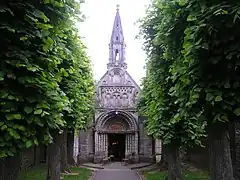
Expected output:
(97, 30)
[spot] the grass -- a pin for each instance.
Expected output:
(39, 173)
(188, 175)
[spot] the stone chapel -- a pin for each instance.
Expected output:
(117, 128)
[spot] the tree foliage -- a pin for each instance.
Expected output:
(193, 74)
(45, 75)
(77, 83)
(192, 68)
(163, 30)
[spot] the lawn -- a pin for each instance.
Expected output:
(197, 175)
(39, 173)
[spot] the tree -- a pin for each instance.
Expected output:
(211, 60)
(31, 100)
(183, 88)
(79, 88)
(34, 38)
(163, 31)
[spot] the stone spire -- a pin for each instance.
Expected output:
(117, 45)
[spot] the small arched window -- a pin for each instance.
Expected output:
(117, 55)
(117, 38)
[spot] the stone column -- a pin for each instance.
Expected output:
(132, 140)
(158, 149)
(136, 143)
(96, 142)
(99, 139)
(100, 142)
(105, 144)
(127, 144)
(98, 148)
(136, 147)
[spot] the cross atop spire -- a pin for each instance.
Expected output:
(118, 7)
(117, 44)
(117, 32)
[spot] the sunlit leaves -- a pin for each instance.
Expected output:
(38, 42)
(28, 109)
(237, 111)
(192, 67)
(29, 143)
(78, 84)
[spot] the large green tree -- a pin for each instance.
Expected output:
(163, 31)
(192, 75)
(41, 50)
(211, 58)
(79, 88)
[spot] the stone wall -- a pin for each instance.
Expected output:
(32, 156)
(85, 146)
(28, 157)
(145, 143)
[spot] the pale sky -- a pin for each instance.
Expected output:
(97, 29)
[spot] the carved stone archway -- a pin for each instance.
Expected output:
(126, 119)
(116, 122)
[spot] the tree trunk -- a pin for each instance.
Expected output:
(174, 169)
(64, 157)
(232, 136)
(53, 172)
(219, 152)
(70, 145)
(10, 167)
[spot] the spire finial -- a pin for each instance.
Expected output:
(118, 7)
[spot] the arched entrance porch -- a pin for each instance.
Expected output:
(116, 133)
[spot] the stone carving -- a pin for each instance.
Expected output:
(116, 97)
(135, 97)
(104, 82)
(116, 79)
(112, 97)
(118, 100)
(116, 76)
(111, 74)
(116, 127)
(107, 100)
(98, 100)
(128, 82)
(125, 100)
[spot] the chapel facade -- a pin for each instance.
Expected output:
(117, 128)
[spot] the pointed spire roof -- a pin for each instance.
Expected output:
(117, 31)
(117, 45)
